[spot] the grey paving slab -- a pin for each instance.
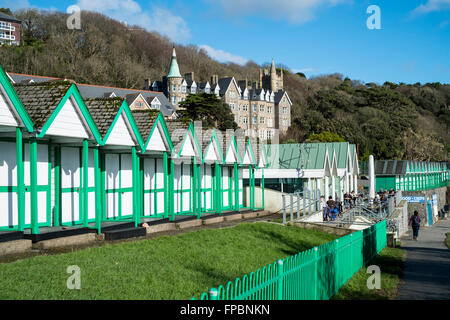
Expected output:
(427, 264)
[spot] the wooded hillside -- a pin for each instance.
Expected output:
(391, 121)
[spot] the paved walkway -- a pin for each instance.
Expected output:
(427, 264)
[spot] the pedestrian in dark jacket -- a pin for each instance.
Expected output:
(414, 222)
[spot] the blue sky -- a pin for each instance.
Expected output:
(312, 36)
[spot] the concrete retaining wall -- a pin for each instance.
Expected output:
(14, 247)
(272, 199)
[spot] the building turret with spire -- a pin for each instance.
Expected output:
(173, 82)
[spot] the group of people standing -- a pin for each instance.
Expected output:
(331, 208)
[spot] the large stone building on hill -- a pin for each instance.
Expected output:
(260, 109)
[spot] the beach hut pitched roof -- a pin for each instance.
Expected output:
(17, 113)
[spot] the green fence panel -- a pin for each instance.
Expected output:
(314, 274)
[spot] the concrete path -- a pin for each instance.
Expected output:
(427, 264)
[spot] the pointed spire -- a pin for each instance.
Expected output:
(174, 71)
(272, 67)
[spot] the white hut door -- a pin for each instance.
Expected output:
(186, 187)
(149, 183)
(126, 186)
(225, 187)
(241, 187)
(177, 187)
(70, 185)
(8, 182)
(160, 209)
(153, 186)
(112, 185)
(206, 187)
(91, 186)
(43, 185)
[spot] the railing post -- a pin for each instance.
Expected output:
(316, 285)
(309, 202)
(283, 197)
(298, 205)
(291, 198)
(213, 294)
(304, 203)
(280, 280)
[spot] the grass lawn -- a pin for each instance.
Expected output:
(390, 261)
(447, 240)
(176, 267)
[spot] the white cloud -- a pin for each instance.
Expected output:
(223, 56)
(303, 70)
(295, 11)
(432, 5)
(129, 11)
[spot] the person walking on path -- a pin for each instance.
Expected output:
(414, 221)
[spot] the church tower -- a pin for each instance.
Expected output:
(271, 79)
(174, 81)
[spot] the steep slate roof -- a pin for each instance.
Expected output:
(18, 78)
(279, 95)
(390, 167)
(289, 156)
(4, 16)
(202, 85)
(40, 99)
(103, 111)
(224, 83)
(145, 120)
(94, 91)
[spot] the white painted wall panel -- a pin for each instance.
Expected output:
(120, 134)
(8, 164)
(230, 157)
(211, 154)
(9, 212)
(188, 147)
(68, 122)
(7, 117)
(156, 142)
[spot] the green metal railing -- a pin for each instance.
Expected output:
(315, 274)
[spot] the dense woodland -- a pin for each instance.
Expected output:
(391, 121)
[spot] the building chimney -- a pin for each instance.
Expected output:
(214, 79)
(147, 84)
(189, 76)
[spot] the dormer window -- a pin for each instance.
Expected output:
(183, 89)
(139, 104)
